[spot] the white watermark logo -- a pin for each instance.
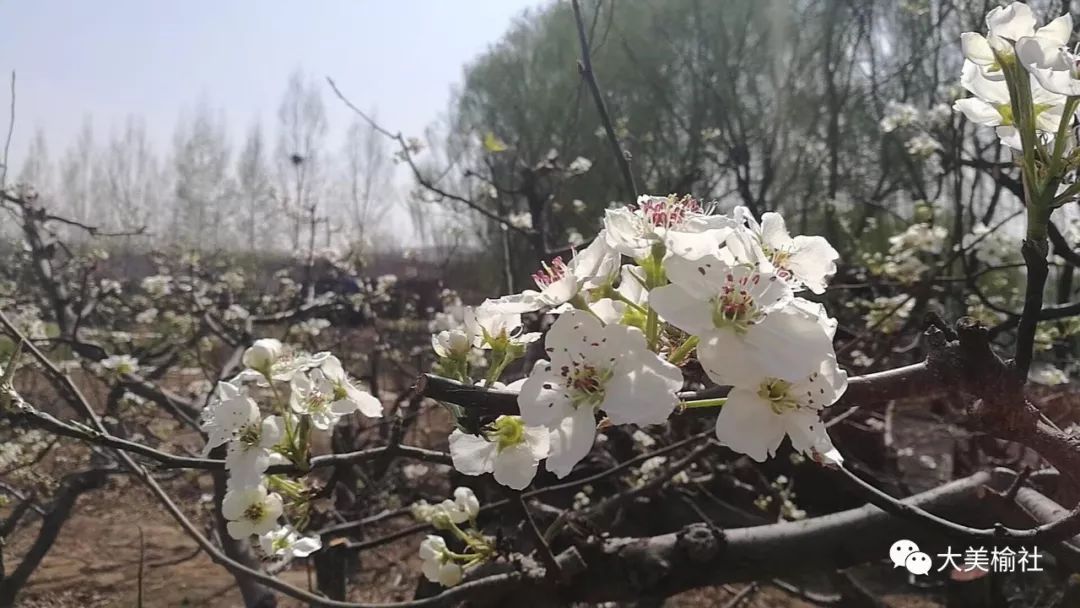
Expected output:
(906, 554)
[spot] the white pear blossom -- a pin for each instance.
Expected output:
(761, 410)
(1063, 81)
(681, 225)
(317, 396)
(801, 261)
(496, 324)
(990, 106)
(345, 394)
(508, 448)
(120, 364)
(248, 454)
(1015, 24)
(250, 511)
(1047, 374)
(898, 115)
(228, 410)
(287, 543)
(560, 282)
(743, 318)
(594, 367)
(437, 565)
(579, 165)
(1043, 50)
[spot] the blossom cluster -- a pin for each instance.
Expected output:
(666, 280)
(439, 563)
(306, 394)
(1047, 73)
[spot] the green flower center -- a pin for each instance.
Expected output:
(339, 392)
(507, 431)
(777, 393)
(317, 402)
(249, 434)
(255, 512)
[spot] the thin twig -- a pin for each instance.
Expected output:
(10, 132)
(622, 156)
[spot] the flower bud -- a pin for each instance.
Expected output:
(262, 354)
(450, 574)
(466, 500)
(451, 343)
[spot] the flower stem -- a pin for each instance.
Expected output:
(679, 354)
(700, 403)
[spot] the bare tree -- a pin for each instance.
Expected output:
(368, 174)
(302, 128)
(254, 191)
(200, 161)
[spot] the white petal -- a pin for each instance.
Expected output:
(240, 529)
(571, 441)
(701, 278)
(813, 262)
(774, 232)
(676, 306)
(543, 399)
(515, 466)
(306, 545)
(472, 454)
(1013, 22)
(1057, 32)
(978, 111)
(991, 91)
(642, 390)
(747, 425)
(1060, 82)
(977, 49)
(539, 441)
(596, 264)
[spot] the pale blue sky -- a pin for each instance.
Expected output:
(112, 58)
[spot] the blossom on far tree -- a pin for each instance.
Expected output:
(760, 410)
(437, 564)
(680, 225)
(250, 511)
(801, 261)
(560, 282)
(507, 448)
(594, 367)
(120, 364)
(286, 542)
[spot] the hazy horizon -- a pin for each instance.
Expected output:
(156, 61)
